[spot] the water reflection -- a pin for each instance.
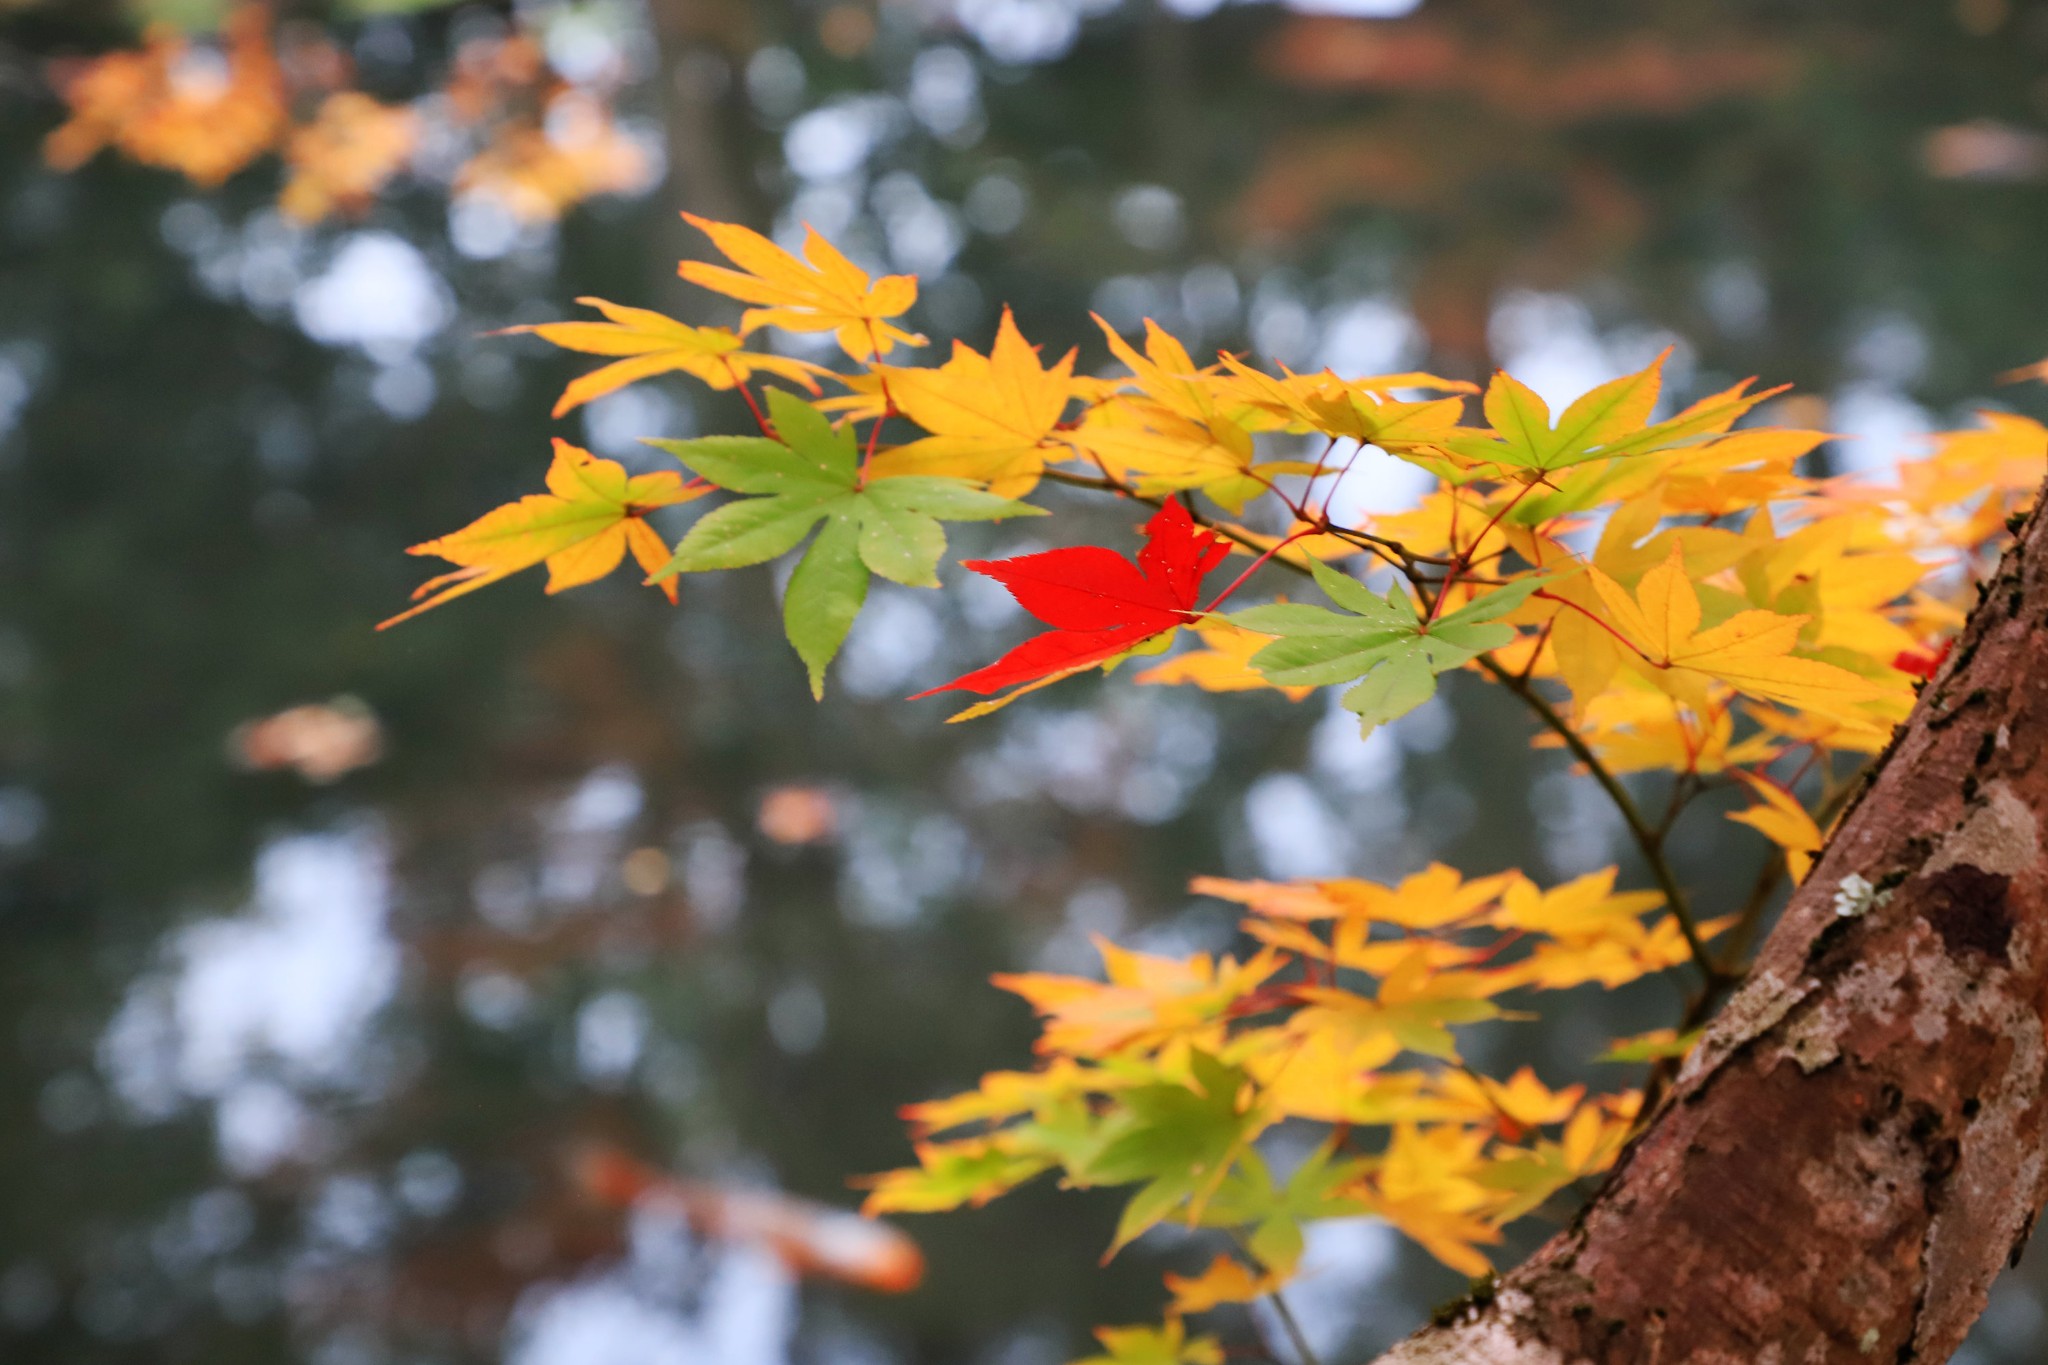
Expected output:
(248, 1010)
(294, 1067)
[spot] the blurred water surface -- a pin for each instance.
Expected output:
(292, 1058)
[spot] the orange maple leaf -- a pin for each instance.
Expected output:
(346, 155)
(1227, 1280)
(823, 292)
(539, 170)
(591, 515)
(163, 105)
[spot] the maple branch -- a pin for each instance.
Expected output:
(1103, 484)
(1108, 484)
(1683, 789)
(1366, 540)
(1542, 637)
(1256, 565)
(1464, 559)
(1647, 841)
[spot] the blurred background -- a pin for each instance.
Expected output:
(319, 948)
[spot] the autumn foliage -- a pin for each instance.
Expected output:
(209, 109)
(1665, 591)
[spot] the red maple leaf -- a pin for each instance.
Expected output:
(1098, 603)
(1922, 663)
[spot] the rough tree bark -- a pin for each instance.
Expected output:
(1855, 1149)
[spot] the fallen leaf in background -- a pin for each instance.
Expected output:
(321, 741)
(811, 1239)
(1985, 150)
(798, 815)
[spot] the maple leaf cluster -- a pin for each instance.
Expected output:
(210, 109)
(1664, 590)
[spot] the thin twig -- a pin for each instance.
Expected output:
(1645, 837)
(760, 418)
(1302, 1349)
(1304, 1353)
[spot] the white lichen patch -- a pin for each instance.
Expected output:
(1856, 896)
(1763, 1000)
(1488, 1339)
(1868, 992)
(2000, 836)
(1998, 1177)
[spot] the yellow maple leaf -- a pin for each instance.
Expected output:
(1172, 434)
(1779, 817)
(1167, 1344)
(591, 515)
(1226, 1280)
(1007, 1094)
(654, 344)
(1512, 1107)
(967, 1171)
(823, 292)
(1635, 727)
(1587, 931)
(1719, 477)
(1331, 1077)
(1585, 650)
(1448, 522)
(1430, 899)
(1858, 597)
(1223, 664)
(989, 416)
(1426, 1185)
(1147, 1002)
(1362, 410)
(2004, 456)
(1418, 1003)
(1847, 734)
(1583, 908)
(1751, 651)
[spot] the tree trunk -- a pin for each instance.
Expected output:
(1855, 1148)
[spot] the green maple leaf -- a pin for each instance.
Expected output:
(1274, 1212)
(1381, 643)
(1179, 1141)
(811, 474)
(1608, 423)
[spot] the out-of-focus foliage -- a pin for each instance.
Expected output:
(210, 107)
